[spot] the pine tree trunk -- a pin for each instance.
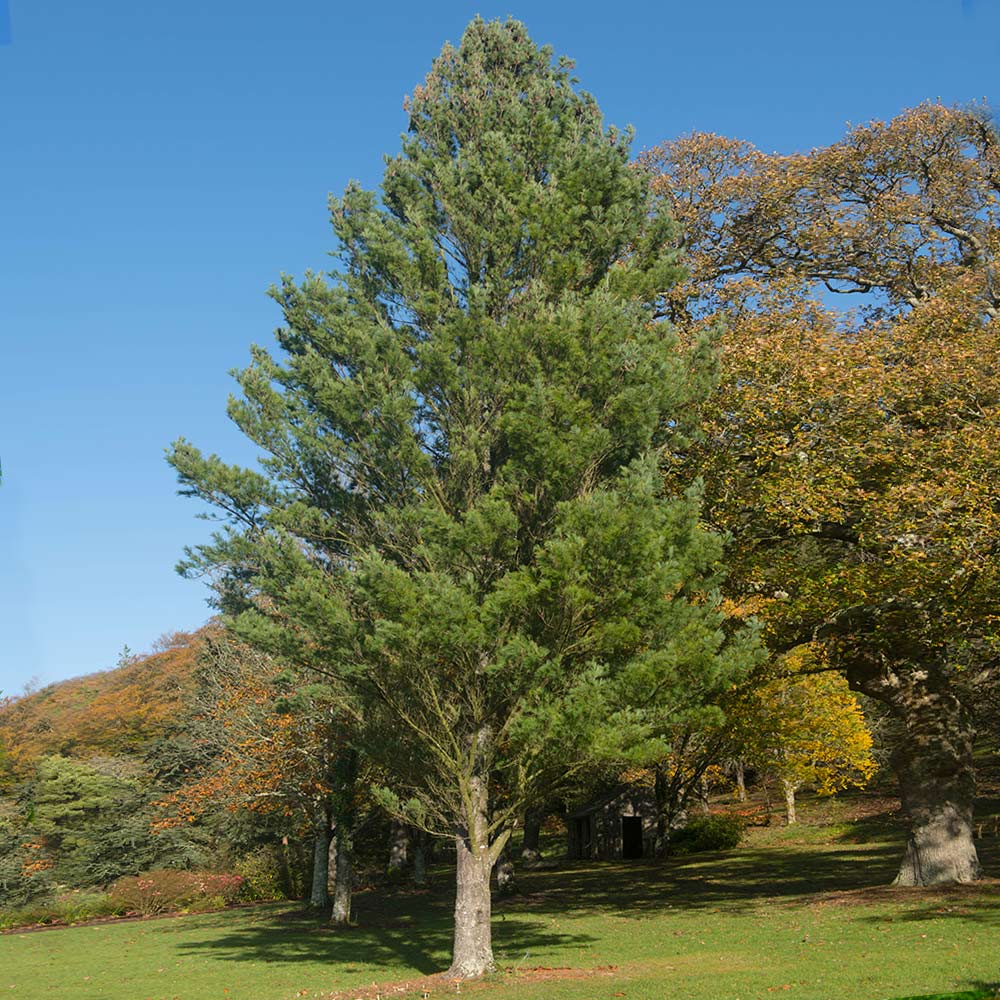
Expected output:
(343, 824)
(319, 897)
(934, 765)
(789, 787)
(472, 954)
(344, 884)
(532, 831)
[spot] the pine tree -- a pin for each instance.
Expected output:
(461, 513)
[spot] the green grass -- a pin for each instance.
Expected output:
(787, 915)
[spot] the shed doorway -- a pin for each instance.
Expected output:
(631, 837)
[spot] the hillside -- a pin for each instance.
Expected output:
(118, 711)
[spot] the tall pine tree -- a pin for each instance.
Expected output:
(461, 512)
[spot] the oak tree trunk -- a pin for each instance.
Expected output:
(937, 787)
(934, 765)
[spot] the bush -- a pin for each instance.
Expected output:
(263, 876)
(71, 907)
(168, 889)
(708, 833)
(67, 908)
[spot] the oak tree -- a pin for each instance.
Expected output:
(853, 456)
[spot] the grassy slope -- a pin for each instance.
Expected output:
(795, 912)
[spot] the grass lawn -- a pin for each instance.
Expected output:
(800, 912)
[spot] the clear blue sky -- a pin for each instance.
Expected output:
(162, 163)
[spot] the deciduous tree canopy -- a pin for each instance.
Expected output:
(854, 459)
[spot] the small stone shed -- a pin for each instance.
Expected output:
(619, 825)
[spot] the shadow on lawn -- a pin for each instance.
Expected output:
(741, 880)
(421, 943)
(411, 930)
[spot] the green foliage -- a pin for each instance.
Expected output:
(708, 833)
(461, 510)
(69, 907)
(265, 876)
(82, 816)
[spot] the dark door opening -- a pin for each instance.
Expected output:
(631, 837)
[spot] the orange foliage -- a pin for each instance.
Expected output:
(114, 712)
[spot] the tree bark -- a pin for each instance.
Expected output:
(937, 787)
(472, 954)
(741, 785)
(343, 888)
(703, 803)
(319, 897)
(506, 879)
(789, 787)
(399, 847)
(420, 860)
(344, 820)
(934, 765)
(532, 831)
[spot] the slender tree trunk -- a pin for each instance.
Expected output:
(472, 954)
(934, 765)
(420, 859)
(506, 880)
(346, 774)
(703, 803)
(789, 787)
(532, 831)
(741, 786)
(399, 846)
(344, 885)
(319, 897)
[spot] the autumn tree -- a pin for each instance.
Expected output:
(803, 727)
(461, 511)
(275, 747)
(852, 457)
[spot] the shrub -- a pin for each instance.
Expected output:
(26, 916)
(67, 908)
(71, 907)
(263, 877)
(168, 889)
(708, 833)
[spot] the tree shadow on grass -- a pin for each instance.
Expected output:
(975, 902)
(741, 880)
(978, 991)
(421, 944)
